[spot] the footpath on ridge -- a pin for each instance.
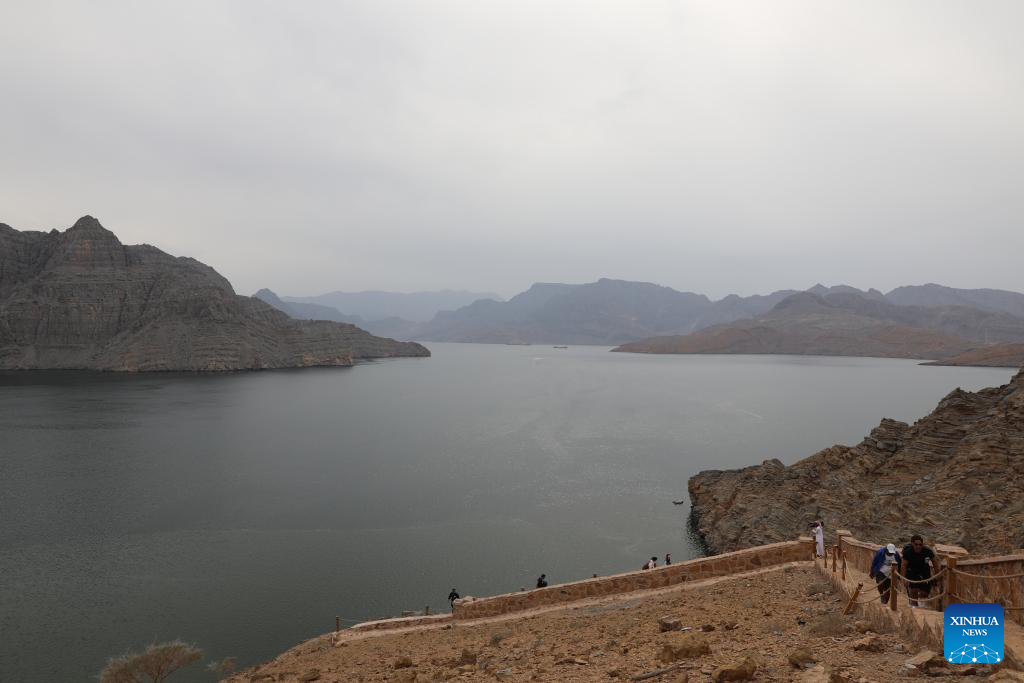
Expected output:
(770, 613)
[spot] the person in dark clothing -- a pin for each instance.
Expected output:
(882, 565)
(452, 597)
(542, 581)
(668, 559)
(918, 560)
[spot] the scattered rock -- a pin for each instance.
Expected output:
(406, 676)
(741, 671)
(707, 628)
(730, 625)
(801, 659)
(402, 663)
(869, 644)
(862, 626)
(669, 624)
(311, 675)
(467, 657)
(687, 646)
(821, 674)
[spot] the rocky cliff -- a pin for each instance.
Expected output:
(955, 476)
(80, 299)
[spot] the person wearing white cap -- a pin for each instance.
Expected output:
(885, 560)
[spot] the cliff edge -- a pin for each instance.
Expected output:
(80, 299)
(955, 476)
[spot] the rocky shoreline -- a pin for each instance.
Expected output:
(955, 476)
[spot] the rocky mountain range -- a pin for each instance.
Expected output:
(605, 312)
(414, 307)
(849, 324)
(80, 299)
(954, 476)
(394, 328)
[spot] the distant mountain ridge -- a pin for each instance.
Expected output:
(605, 312)
(80, 299)
(376, 305)
(848, 324)
(616, 312)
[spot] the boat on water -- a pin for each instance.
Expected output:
(559, 347)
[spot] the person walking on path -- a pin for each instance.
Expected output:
(918, 561)
(668, 559)
(542, 581)
(819, 538)
(885, 560)
(452, 597)
(651, 563)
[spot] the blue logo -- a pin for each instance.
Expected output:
(972, 633)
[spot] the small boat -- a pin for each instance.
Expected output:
(678, 502)
(559, 347)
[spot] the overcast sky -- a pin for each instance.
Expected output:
(710, 146)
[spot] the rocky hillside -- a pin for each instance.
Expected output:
(847, 324)
(954, 476)
(80, 299)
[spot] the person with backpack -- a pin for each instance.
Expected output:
(542, 581)
(885, 560)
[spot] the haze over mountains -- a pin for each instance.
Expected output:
(926, 321)
(80, 299)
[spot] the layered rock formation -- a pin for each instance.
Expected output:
(955, 476)
(847, 324)
(80, 299)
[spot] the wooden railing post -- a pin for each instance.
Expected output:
(951, 586)
(853, 598)
(892, 589)
(842, 556)
(835, 553)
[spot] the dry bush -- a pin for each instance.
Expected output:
(155, 664)
(819, 588)
(831, 624)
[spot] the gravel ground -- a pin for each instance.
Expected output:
(769, 616)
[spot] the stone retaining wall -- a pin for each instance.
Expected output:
(691, 570)
(1008, 592)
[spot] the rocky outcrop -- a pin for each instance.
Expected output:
(80, 299)
(955, 476)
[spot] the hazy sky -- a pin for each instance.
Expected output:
(709, 146)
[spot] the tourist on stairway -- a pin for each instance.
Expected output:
(918, 560)
(885, 560)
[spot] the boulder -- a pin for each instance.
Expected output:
(869, 644)
(925, 660)
(738, 671)
(403, 663)
(686, 646)
(801, 659)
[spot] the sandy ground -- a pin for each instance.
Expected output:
(768, 615)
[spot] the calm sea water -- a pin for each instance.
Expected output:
(244, 512)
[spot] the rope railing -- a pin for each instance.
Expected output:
(933, 577)
(989, 576)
